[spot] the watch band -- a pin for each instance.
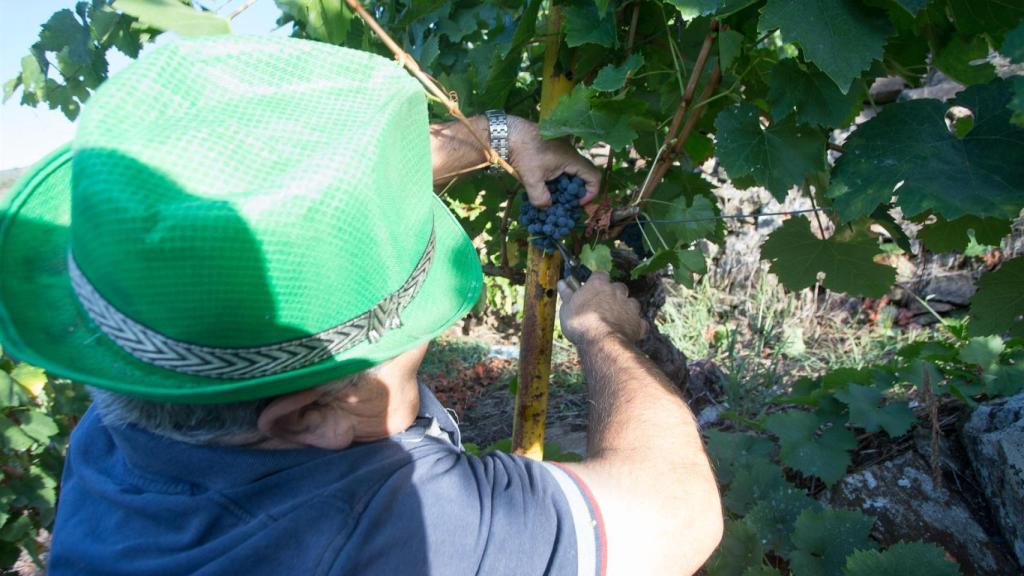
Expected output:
(497, 128)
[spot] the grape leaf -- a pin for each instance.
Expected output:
(31, 378)
(612, 77)
(945, 235)
(1013, 45)
(757, 480)
(777, 157)
(867, 410)
(1016, 104)
(679, 223)
(37, 425)
(324, 21)
(584, 25)
(824, 538)
(580, 114)
(801, 447)
(975, 17)
(730, 45)
(174, 16)
(774, 517)
(596, 257)
(504, 71)
(14, 438)
(841, 37)
(732, 450)
(912, 6)
(684, 263)
(999, 301)
(847, 259)
(901, 559)
(908, 151)
(762, 570)
(740, 550)
(33, 78)
(811, 95)
(957, 60)
(690, 9)
(64, 31)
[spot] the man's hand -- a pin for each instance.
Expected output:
(599, 309)
(538, 160)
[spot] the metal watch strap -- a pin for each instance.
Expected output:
(497, 128)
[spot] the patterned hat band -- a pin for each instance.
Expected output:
(235, 363)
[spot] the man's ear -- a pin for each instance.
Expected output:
(298, 418)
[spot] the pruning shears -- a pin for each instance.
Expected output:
(573, 271)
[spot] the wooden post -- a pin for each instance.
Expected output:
(540, 294)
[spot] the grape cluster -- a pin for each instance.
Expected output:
(632, 236)
(545, 226)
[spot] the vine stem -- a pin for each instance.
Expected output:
(410, 64)
(663, 159)
(248, 4)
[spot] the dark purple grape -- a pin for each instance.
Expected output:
(557, 221)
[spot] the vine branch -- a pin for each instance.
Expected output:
(410, 64)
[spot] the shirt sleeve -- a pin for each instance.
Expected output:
(456, 514)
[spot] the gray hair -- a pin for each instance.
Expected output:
(226, 423)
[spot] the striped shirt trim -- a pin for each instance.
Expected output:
(591, 552)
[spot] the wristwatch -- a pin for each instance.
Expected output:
(497, 128)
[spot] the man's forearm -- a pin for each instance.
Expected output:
(454, 150)
(635, 408)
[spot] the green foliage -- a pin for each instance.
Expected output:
(590, 118)
(841, 37)
(811, 96)
(901, 559)
(173, 16)
(824, 538)
(946, 236)
(797, 256)
(36, 417)
(908, 151)
(777, 157)
(999, 302)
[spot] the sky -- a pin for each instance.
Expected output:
(27, 134)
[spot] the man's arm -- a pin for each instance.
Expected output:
(646, 465)
(537, 160)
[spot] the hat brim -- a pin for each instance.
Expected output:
(42, 323)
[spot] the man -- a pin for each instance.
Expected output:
(242, 256)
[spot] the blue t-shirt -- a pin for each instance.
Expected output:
(136, 503)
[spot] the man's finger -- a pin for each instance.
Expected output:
(538, 193)
(564, 291)
(591, 178)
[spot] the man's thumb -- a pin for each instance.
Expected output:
(564, 291)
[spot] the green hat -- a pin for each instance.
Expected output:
(236, 217)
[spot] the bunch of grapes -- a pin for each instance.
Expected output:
(545, 226)
(632, 236)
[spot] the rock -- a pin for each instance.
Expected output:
(887, 89)
(953, 287)
(994, 438)
(908, 506)
(938, 86)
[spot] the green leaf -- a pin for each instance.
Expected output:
(841, 37)
(777, 157)
(775, 517)
(826, 455)
(329, 21)
(982, 351)
(999, 301)
(912, 6)
(1013, 45)
(811, 95)
(596, 257)
(31, 378)
(503, 74)
(580, 114)
(14, 438)
(690, 9)
(174, 16)
(612, 77)
(975, 17)
(37, 425)
(868, 411)
(908, 151)
(757, 480)
(824, 538)
(584, 25)
(847, 260)
(901, 559)
(64, 31)
(956, 59)
(740, 550)
(657, 261)
(1016, 104)
(946, 236)
(12, 394)
(33, 78)
(730, 45)
(679, 223)
(732, 450)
